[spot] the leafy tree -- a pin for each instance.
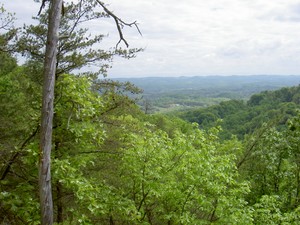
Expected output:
(240, 118)
(112, 164)
(189, 179)
(50, 58)
(19, 106)
(78, 49)
(107, 158)
(71, 55)
(7, 33)
(86, 129)
(272, 168)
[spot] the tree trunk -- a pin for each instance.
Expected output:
(47, 113)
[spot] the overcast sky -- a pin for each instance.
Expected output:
(201, 37)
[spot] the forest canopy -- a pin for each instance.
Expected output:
(114, 164)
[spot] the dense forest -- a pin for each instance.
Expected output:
(236, 162)
(239, 117)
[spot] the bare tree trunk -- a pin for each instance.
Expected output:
(47, 113)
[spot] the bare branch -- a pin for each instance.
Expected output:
(119, 23)
(42, 6)
(5, 170)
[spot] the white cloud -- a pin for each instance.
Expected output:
(197, 37)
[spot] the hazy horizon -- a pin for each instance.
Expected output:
(216, 75)
(196, 38)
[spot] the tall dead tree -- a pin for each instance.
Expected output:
(47, 112)
(50, 63)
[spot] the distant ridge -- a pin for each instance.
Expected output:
(165, 84)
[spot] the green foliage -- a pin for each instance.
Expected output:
(271, 165)
(19, 121)
(172, 94)
(7, 63)
(77, 48)
(170, 124)
(267, 211)
(22, 207)
(113, 164)
(186, 179)
(162, 178)
(109, 165)
(7, 33)
(240, 118)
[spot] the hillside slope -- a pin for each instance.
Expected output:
(243, 117)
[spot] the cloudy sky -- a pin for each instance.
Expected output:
(201, 37)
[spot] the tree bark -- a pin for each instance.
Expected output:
(46, 202)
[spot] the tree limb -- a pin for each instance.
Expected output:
(7, 167)
(119, 23)
(42, 6)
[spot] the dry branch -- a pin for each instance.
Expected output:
(120, 24)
